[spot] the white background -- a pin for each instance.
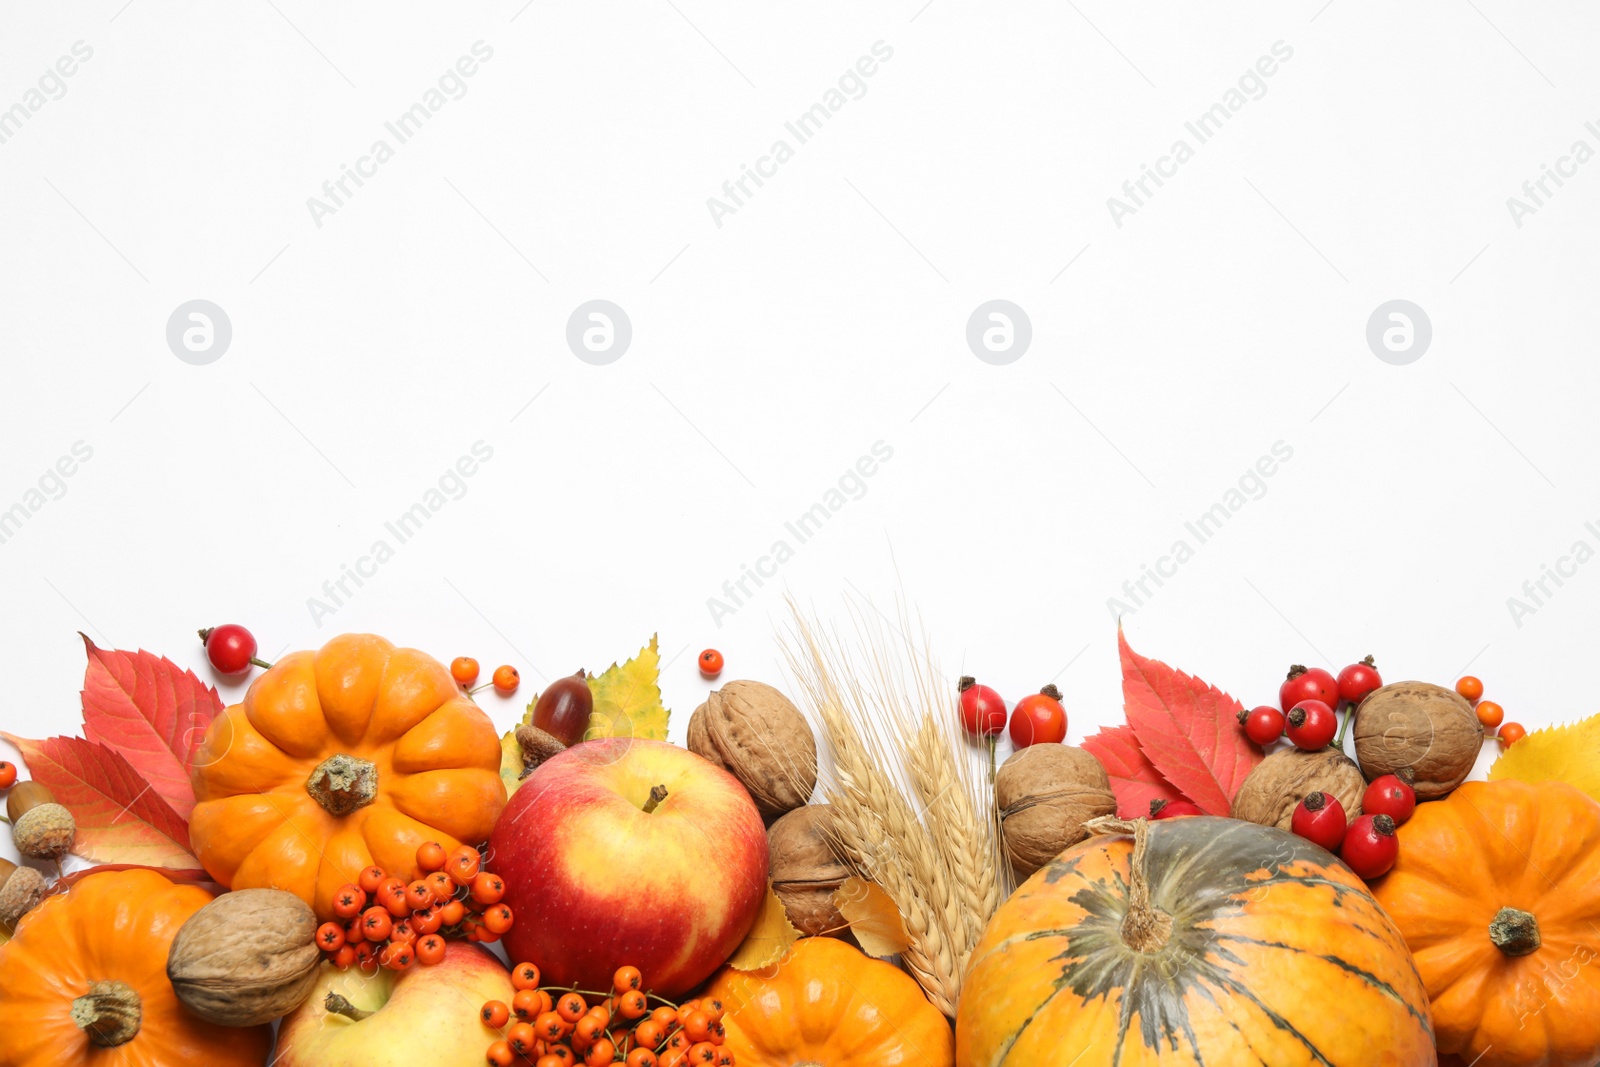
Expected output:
(828, 313)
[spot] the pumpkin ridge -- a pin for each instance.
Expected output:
(1277, 1020)
(1209, 995)
(1344, 965)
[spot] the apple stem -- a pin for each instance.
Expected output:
(340, 1006)
(658, 793)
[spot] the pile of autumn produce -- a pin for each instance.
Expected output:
(353, 867)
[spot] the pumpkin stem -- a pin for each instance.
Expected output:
(340, 1006)
(343, 784)
(1145, 927)
(1514, 932)
(658, 793)
(110, 1013)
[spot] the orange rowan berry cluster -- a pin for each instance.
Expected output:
(551, 1027)
(386, 922)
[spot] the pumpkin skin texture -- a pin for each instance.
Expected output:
(1492, 846)
(1276, 955)
(398, 753)
(110, 927)
(829, 1004)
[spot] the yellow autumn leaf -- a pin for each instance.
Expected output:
(1568, 754)
(627, 703)
(872, 916)
(769, 938)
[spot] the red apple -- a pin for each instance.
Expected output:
(423, 1015)
(599, 876)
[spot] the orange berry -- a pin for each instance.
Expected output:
(392, 895)
(626, 978)
(1511, 733)
(367, 956)
(525, 976)
(1469, 687)
(8, 774)
(500, 1054)
(419, 896)
(521, 1038)
(666, 1017)
(550, 1060)
(399, 956)
(403, 932)
(376, 923)
(712, 1007)
(550, 1026)
(571, 1007)
(498, 918)
(453, 912)
(330, 937)
(641, 1057)
(588, 1029)
(426, 921)
(678, 1041)
(464, 669)
(431, 855)
(506, 679)
(443, 886)
(463, 865)
(649, 1033)
(703, 1052)
(697, 1024)
(601, 1054)
(494, 1014)
(488, 888)
(344, 957)
(348, 901)
(710, 663)
(563, 1055)
(1490, 714)
(724, 1058)
(633, 1005)
(430, 950)
(525, 1005)
(371, 878)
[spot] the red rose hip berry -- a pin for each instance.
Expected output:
(983, 711)
(1039, 719)
(231, 649)
(1307, 684)
(1311, 725)
(1263, 725)
(1359, 679)
(1320, 819)
(1391, 795)
(1370, 846)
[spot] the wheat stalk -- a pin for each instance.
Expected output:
(938, 868)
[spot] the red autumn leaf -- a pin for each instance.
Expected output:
(1134, 779)
(120, 817)
(1189, 730)
(152, 712)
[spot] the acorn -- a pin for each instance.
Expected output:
(20, 889)
(40, 827)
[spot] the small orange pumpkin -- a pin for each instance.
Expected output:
(1497, 891)
(84, 981)
(826, 1003)
(340, 758)
(1194, 941)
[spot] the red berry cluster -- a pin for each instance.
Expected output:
(1308, 703)
(1490, 714)
(464, 669)
(1038, 718)
(394, 924)
(557, 1027)
(1368, 844)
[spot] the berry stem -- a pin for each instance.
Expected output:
(259, 662)
(1349, 714)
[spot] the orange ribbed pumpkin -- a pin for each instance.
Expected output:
(1497, 891)
(84, 982)
(1254, 946)
(351, 755)
(827, 1004)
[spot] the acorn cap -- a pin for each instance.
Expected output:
(23, 888)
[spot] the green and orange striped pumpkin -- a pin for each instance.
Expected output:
(1227, 944)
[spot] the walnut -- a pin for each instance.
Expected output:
(246, 958)
(1275, 788)
(753, 732)
(1045, 794)
(1428, 728)
(806, 870)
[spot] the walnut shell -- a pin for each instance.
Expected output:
(246, 958)
(1275, 788)
(1045, 794)
(1431, 729)
(753, 732)
(806, 870)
